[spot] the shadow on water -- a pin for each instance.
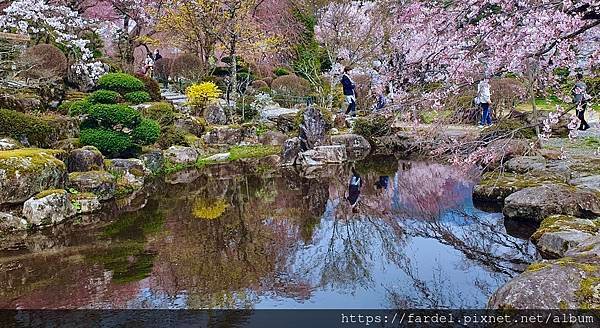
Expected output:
(410, 238)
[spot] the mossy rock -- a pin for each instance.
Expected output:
(100, 183)
(28, 171)
(560, 233)
(495, 187)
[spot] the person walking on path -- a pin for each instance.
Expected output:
(581, 99)
(349, 92)
(484, 99)
(148, 64)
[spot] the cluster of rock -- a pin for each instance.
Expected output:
(563, 196)
(314, 146)
(41, 187)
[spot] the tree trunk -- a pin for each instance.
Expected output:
(532, 81)
(233, 73)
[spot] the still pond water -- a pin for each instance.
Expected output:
(232, 239)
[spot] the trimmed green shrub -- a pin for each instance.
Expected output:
(172, 136)
(373, 126)
(109, 142)
(17, 125)
(104, 97)
(79, 107)
(162, 112)
(291, 85)
(151, 85)
(120, 82)
(147, 132)
(110, 115)
(138, 97)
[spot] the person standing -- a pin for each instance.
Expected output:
(157, 55)
(148, 64)
(349, 92)
(484, 99)
(581, 98)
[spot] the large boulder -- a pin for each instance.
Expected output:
(291, 149)
(495, 187)
(131, 173)
(191, 125)
(224, 136)
(9, 222)
(505, 149)
(538, 203)
(590, 182)
(525, 164)
(100, 183)
(568, 283)
(181, 155)
(153, 160)
(88, 158)
(48, 207)
(215, 114)
(86, 203)
(323, 155)
(357, 147)
(558, 234)
(9, 144)
(272, 138)
(313, 130)
(26, 172)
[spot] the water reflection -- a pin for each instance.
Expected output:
(381, 234)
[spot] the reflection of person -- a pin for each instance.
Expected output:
(349, 92)
(354, 186)
(581, 97)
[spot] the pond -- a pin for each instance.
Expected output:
(279, 239)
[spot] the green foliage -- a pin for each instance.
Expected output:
(79, 107)
(17, 125)
(104, 97)
(147, 132)
(110, 143)
(246, 111)
(162, 112)
(172, 136)
(281, 71)
(120, 82)
(373, 126)
(109, 116)
(138, 97)
(151, 86)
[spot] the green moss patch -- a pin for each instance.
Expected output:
(589, 293)
(49, 192)
(563, 222)
(537, 266)
(253, 151)
(29, 159)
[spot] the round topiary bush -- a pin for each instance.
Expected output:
(18, 125)
(171, 136)
(110, 143)
(79, 107)
(146, 133)
(138, 97)
(109, 116)
(188, 66)
(163, 113)
(151, 85)
(44, 61)
(120, 82)
(291, 85)
(104, 97)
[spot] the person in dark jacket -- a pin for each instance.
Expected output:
(581, 98)
(349, 92)
(157, 55)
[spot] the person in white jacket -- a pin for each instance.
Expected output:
(484, 98)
